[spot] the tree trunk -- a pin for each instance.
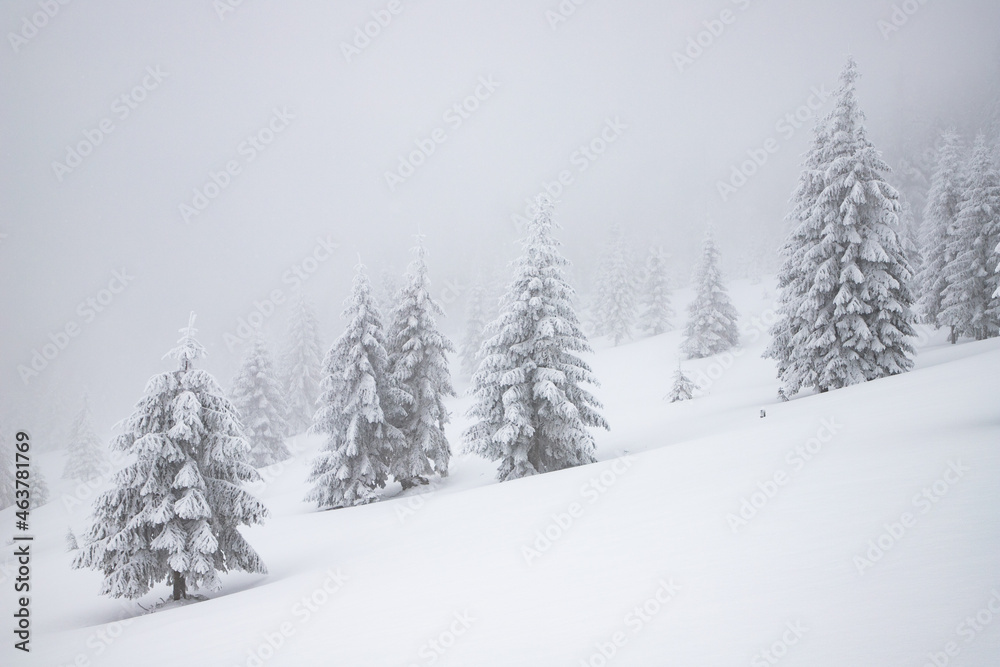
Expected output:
(180, 586)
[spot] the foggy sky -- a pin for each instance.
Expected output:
(343, 125)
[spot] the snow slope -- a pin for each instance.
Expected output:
(645, 558)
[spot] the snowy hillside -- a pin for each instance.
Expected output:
(859, 527)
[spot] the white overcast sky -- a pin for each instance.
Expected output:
(323, 175)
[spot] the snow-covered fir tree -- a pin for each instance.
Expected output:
(531, 413)
(301, 364)
(476, 319)
(799, 269)
(657, 312)
(683, 389)
(389, 285)
(940, 216)
(968, 306)
(615, 304)
(71, 543)
(845, 294)
(712, 319)
(260, 403)
(419, 365)
(86, 458)
(358, 400)
(39, 487)
(174, 513)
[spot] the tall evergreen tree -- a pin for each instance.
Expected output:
(798, 270)
(174, 512)
(531, 413)
(683, 389)
(260, 403)
(968, 306)
(845, 297)
(615, 308)
(475, 328)
(418, 363)
(86, 459)
(939, 227)
(358, 401)
(657, 311)
(301, 365)
(712, 319)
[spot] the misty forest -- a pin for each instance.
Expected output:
(533, 333)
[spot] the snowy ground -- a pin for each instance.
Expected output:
(647, 558)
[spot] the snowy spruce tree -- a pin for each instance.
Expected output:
(39, 487)
(531, 413)
(798, 270)
(845, 285)
(358, 402)
(301, 364)
(683, 389)
(939, 228)
(419, 365)
(175, 509)
(657, 312)
(712, 319)
(615, 307)
(968, 306)
(86, 458)
(475, 328)
(258, 398)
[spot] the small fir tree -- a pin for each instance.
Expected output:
(712, 319)
(260, 402)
